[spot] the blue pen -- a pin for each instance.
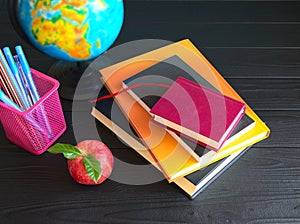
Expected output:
(5, 99)
(15, 72)
(27, 72)
(23, 78)
(35, 95)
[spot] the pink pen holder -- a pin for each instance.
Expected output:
(36, 129)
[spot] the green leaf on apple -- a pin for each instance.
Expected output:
(69, 151)
(92, 167)
(91, 164)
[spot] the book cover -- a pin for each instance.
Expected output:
(186, 51)
(152, 82)
(114, 113)
(172, 155)
(193, 184)
(198, 112)
(202, 178)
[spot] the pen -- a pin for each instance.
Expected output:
(23, 78)
(27, 73)
(15, 72)
(35, 95)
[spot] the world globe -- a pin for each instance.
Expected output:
(74, 31)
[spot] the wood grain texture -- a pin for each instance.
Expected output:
(256, 47)
(213, 12)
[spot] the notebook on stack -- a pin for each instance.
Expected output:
(165, 73)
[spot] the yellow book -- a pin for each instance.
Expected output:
(171, 155)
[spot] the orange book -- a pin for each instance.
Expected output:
(173, 157)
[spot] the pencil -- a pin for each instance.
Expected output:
(3, 84)
(10, 87)
(19, 84)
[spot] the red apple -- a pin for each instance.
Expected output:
(90, 162)
(101, 152)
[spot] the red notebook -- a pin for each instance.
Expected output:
(198, 112)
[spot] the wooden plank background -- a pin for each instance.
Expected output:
(256, 46)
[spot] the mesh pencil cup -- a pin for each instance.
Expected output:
(36, 129)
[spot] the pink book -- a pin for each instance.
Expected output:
(198, 112)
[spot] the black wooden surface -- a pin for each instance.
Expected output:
(256, 46)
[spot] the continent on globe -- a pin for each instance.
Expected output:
(71, 30)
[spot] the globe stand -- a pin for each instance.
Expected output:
(69, 74)
(79, 80)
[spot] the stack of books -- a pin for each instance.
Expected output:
(186, 117)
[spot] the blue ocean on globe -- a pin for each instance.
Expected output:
(75, 30)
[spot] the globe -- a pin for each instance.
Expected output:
(74, 31)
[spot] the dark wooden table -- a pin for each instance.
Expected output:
(256, 46)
